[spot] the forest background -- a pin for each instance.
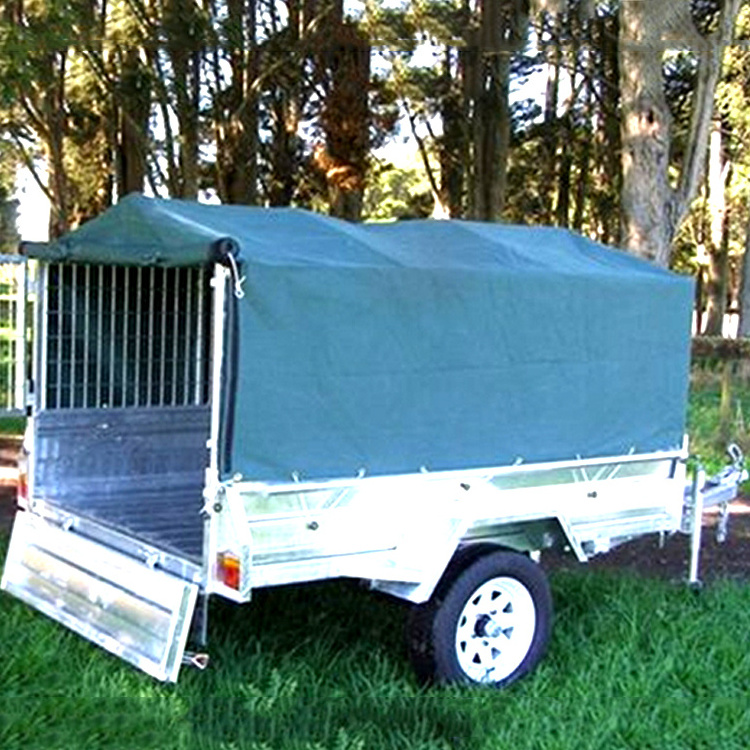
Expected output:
(626, 121)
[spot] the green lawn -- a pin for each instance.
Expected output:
(633, 663)
(703, 419)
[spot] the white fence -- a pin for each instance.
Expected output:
(15, 334)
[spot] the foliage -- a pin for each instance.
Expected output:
(709, 437)
(397, 193)
(516, 107)
(12, 426)
(716, 348)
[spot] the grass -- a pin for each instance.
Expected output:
(12, 426)
(703, 419)
(633, 663)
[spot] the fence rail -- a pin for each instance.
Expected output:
(15, 334)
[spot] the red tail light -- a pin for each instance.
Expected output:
(22, 488)
(228, 569)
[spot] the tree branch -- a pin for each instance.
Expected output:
(422, 152)
(29, 164)
(709, 72)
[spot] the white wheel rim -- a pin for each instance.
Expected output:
(495, 630)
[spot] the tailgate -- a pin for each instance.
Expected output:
(137, 612)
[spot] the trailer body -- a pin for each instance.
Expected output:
(228, 398)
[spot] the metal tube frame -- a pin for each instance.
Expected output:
(461, 474)
(213, 491)
(114, 353)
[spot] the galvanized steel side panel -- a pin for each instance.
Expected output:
(400, 532)
(140, 614)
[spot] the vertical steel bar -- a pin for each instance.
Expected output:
(199, 339)
(138, 334)
(150, 357)
(43, 331)
(163, 358)
(73, 385)
(191, 274)
(60, 308)
(54, 334)
(86, 333)
(699, 481)
(217, 347)
(211, 488)
(99, 398)
(175, 331)
(125, 331)
(112, 335)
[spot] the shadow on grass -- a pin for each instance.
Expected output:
(323, 666)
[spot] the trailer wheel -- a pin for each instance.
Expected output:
(490, 624)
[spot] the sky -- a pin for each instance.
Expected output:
(33, 210)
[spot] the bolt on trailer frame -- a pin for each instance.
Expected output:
(132, 513)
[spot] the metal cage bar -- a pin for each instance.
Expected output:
(146, 347)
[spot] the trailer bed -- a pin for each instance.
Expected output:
(136, 471)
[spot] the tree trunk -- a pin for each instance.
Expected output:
(491, 133)
(182, 28)
(186, 69)
(238, 157)
(584, 162)
(134, 112)
(284, 95)
(647, 222)
(346, 116)
(611, 146)
(500, 31)
(53, 109)
(551, 121)
(562, 202)
(452, 145)
(651, 208)
(744, 327)
(716, 287)
(567, 137)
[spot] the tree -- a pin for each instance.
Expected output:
(235, 102)
(481, 46)
(342, 69)
(717, 235)
(653, 207)
(79, 108)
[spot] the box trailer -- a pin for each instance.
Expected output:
(227, 398)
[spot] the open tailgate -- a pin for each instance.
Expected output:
(137, 612)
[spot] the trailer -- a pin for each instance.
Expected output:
(227, 398)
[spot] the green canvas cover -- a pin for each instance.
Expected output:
(423, 344)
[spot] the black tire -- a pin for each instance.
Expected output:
(486, 624)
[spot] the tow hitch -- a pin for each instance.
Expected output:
(711, 492)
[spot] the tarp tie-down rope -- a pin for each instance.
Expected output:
(237, 280)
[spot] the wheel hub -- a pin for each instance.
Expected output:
(495, 630)
(487, 627)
